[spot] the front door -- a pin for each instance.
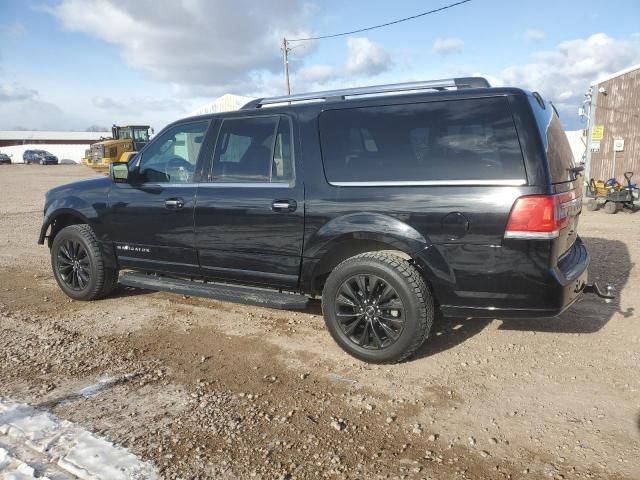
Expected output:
(249, 217)
(151, 216)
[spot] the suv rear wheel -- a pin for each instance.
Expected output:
(78, 265)
(377, 307)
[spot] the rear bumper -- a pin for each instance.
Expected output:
(562, 286)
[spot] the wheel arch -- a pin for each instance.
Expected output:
(57, 221)
(351, 235)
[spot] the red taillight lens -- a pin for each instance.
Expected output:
(536, 217)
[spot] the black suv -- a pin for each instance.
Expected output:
(39, 156)
(446, 196)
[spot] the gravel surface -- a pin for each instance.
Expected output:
(209, 389)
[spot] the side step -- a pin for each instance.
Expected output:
(218, 291)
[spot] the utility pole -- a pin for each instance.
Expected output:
(285, 61)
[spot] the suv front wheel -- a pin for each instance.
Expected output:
(377, 307)
(78, 265)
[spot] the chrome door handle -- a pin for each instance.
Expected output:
(284, 206)
(174, 203)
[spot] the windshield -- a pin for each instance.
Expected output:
(124, 133)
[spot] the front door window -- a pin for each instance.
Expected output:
(172, 157)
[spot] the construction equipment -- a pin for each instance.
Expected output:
(612, 194)
(125, 139)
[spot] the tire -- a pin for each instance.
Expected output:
(611, 207)
(78, 266)
(592, 205)
(393, 325)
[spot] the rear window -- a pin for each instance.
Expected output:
(466, 140)
(254, 149)
(556, 144)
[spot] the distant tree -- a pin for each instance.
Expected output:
(96, 128)
(21, 129)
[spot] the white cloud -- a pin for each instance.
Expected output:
(365, 57)
(33, 114)
(14, 93)
(563, 74)
(533, 35)
(139, 104)
(317, 74)
(447, 46)
(206, 45)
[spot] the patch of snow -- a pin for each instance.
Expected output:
(107, 382)
(14, 469)
(63, 447)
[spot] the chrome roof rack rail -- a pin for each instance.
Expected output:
(444, 84)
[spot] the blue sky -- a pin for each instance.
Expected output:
(69, 64)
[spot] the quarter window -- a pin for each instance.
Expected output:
(472, 139)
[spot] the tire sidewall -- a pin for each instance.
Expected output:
(610, 207)
(409, 300)
(69, 233)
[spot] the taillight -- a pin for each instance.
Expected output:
(536, 217)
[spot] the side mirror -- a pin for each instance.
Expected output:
(119, 172)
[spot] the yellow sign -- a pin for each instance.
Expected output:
(597, 132)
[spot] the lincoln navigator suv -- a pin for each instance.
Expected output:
(391, 203)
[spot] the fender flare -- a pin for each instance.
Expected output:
(356, 233)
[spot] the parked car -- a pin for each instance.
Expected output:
(446, 196)
(5, 159)
(39, 156)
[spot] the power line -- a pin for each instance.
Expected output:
(320, 37)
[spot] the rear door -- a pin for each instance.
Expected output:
(249, 216)
(561, 166)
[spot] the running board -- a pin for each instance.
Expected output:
(217, 291)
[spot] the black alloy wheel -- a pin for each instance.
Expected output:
(78, 264)
(370, 311)
(73, 265)
(377, 306)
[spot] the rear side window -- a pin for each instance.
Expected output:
(457, 140)
(554, 140)
(253, 149)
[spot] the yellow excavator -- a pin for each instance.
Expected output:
(125, 140)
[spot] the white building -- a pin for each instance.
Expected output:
(64, 145)
(578, 143)
(225, 103)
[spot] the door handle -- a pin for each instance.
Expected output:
(174, 203)
(284, 206)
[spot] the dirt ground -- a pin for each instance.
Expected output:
(221, 390)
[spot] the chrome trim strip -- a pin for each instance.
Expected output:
(247, 184)
(532, 235)
(214, 184)
(428, 183)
